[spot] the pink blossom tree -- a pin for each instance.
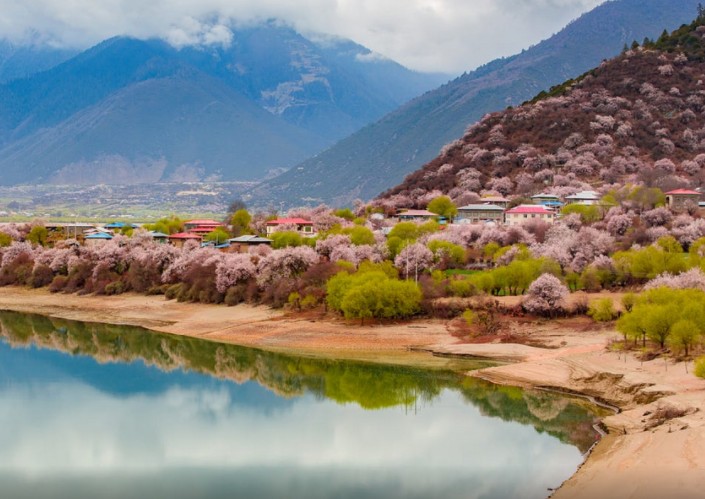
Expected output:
(233, 269)
(546, 295)
(414, 259)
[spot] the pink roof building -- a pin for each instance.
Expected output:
(302, 226)
(528, 212)
(683, 199)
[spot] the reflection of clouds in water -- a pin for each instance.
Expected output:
(72, 428)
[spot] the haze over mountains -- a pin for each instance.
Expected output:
(131, 111)
(381, 154)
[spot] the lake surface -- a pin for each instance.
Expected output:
(90, 410)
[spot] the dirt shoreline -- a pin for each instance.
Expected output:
(654, 444)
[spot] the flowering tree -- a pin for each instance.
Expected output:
(692, 279)
(546, 295)
(284, 264)
(233, 269)
(414, 259)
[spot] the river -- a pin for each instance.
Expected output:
(93, 410)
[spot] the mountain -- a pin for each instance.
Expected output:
(21, 61)
(381, 154)
(130, 111)
(636, 119)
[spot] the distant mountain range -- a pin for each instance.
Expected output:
(380, 155)
(133, 111)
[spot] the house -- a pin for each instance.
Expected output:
(159, 237)
(480, 213)
(550, 200)
(243, 243)
(496, 200)
(300, 225)
(583, 197)
(682, 199)
(416, 216)
(97, 238)
(180, 238)
(528, 212)
(201, 227)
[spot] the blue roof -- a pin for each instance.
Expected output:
(99, 235)
(114, 225)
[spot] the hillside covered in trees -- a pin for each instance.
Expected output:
(636, 119)
(378, 156)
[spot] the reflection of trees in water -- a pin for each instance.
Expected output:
(371, 386)
(569, 420)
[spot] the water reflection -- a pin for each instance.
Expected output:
(71, 427)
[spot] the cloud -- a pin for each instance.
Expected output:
(431, 35)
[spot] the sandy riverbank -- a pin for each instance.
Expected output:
(654, 446)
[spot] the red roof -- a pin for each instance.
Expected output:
(684, 192)
(530, 208)
(185, 235)
(297, 221)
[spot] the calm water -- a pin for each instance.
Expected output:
(90, 410)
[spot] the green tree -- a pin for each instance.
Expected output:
(167, 225)
(218, 236)
(360, 235)
(372, 293)
(38, 235)
(659, 319)
(240, 222)
(445, 250)
(286, 238)
(588, 213)
(5, 240)
(443, 206)
(345, 213)
(683, 335)
(602, 310)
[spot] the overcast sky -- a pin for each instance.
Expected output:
(428, 35)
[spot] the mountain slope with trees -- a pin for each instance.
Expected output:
(637, 119)
(381, 154)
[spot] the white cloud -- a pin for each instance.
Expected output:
(434, 35)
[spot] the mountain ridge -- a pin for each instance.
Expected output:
(44, 126)
(379, 155)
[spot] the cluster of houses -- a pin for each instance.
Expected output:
(492, 210)
(194, 230)
(545, 207)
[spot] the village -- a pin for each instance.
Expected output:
(493, 210)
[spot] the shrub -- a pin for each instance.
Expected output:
(602, 310)
(368, 294)
(42, 275)
(462, 288)
(235, 295)
(469, 317)
(173, 291)
(58, 283)
(115, 288)
(700, 367)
